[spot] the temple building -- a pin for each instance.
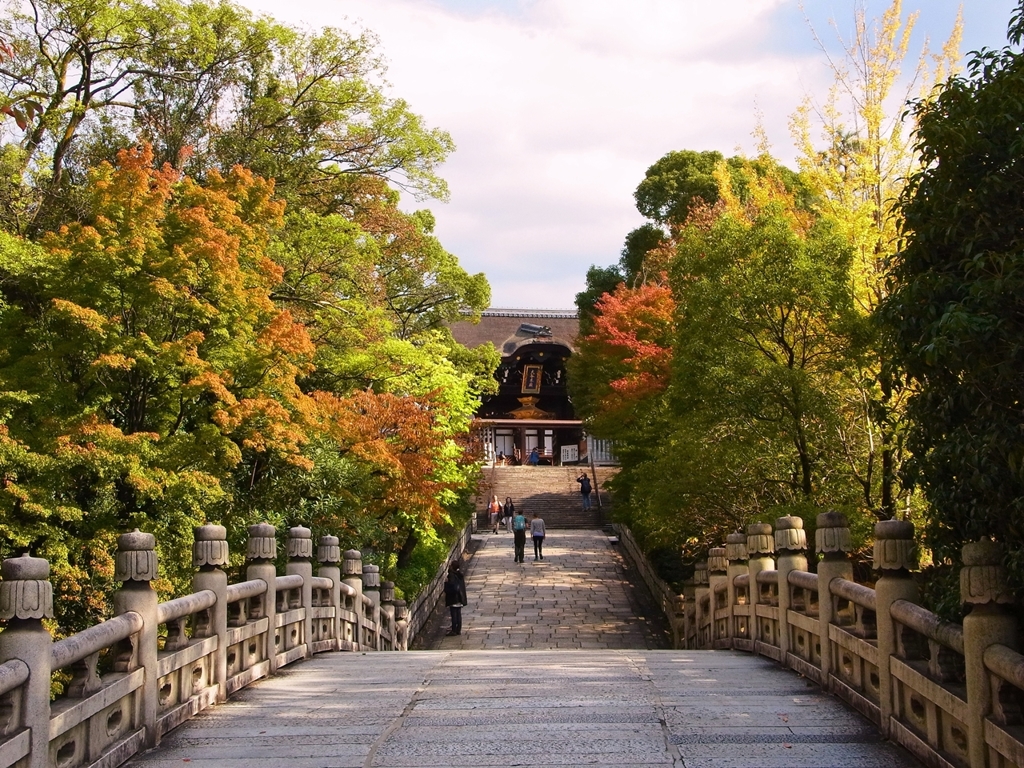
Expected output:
(532, 408)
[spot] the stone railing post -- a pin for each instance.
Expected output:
(736, 555)
(700, 591)
(717, 576)
(352, 574)
(371, 588)
(791, 546)
(26, 598)
(990, 622)
(300, 563)
(260, 551)
(895, 557)
(760, 548)
(328, 554)
(209, 555)
(833, 544)
(401, 625)
(387, 608)
(135, 568)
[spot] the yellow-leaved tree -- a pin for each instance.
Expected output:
(856, 152)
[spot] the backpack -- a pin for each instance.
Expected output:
(519, 523)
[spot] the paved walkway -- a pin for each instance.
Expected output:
(578, 596)
(534, 680)
(687, 709)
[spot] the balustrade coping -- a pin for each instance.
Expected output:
(84, 644)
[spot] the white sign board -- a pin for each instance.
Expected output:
(570, 454)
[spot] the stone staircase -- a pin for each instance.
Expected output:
(552, 492)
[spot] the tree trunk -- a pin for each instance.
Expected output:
(405, 553)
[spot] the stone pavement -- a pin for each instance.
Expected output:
(688, 709)
(578, 596)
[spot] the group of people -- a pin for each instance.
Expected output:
(503, 515)
(515, 522)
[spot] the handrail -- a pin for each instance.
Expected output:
(804, 580)
(319, 582)
(928, 624)
(291, 581)
(245, 590)
(185, 606)
(12, 674)
(94, 639)
(767, 577)
(743, 580)
(854, 592)
(1006, 663)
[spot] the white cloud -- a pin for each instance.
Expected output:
(558, 108)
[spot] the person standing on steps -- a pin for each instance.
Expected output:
(585, 489)
(494, 509)
(537, 531)
(508, 510)
(455, 596)
(519, 533)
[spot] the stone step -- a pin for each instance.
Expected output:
(552, 492)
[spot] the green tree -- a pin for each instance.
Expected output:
(209, 87)
(856, 170)
(955, 310)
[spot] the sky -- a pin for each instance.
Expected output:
(557, 107)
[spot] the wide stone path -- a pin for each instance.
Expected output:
(690, 709)
(578, 596)
(553, 668)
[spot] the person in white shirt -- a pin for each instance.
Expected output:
(537, 531)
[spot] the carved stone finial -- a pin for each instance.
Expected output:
(371, 577)
(760, 541)
(895, 548)
(26, 592)
(262, 544)
(210, 548)
(983, 577)
(717, 562)
(136, 557)
(328, 551)
(352, 563)
(401, 610)
(700, 573)
(736, 547)
(832, 535)
(387, 592)
(300, 543)
(790, 536)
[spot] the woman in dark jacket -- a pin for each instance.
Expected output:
(455, 596)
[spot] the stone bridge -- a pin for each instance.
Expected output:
(795, 654)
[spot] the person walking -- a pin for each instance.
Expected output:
(455, 596)
(537, 531)
(508, 510)
(494, 509)
(519, 534)
(585, 489)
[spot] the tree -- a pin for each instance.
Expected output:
(143, 363)
(856, 172)
(955, 312)
(209, 87)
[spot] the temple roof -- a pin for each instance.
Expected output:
(513, 327)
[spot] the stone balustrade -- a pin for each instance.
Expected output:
(952, 695)
(154, 665)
